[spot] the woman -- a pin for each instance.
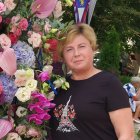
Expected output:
(134, 94)
(95, 107)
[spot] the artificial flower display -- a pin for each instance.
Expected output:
(29, 34)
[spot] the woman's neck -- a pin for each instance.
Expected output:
(84, 74)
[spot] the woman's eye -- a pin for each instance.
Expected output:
(82, 46)
(68, 50)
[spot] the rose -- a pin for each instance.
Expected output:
(10, 5)
(35, 39)
(21, 129)
(15, 19)
(13, 136)
(48, 68)
(5, 41)
(21, 111)
(22, 76)
(52, 48)
(23, 24)
(2, 7)
(32, 132)
(58, 83)
(31, 84)
(23, 94)
(13, 38)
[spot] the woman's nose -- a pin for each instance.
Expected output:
(76, 52)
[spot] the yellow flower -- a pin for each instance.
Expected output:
(30, 73)
(69, 2)
(53, 30)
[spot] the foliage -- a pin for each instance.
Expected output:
(109, 58)
(29, 32)
(124, 15)
(125, 79)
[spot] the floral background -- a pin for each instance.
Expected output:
(30, 72)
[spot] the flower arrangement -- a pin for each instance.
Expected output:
(29, 31)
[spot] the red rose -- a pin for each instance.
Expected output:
(53, 46)
(13, 38)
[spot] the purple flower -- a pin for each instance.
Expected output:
(9, 89)
(43, 76)
(39, 118)
(39, 96)
(36, 107)
(25, 54)
(35, 118)
(46, 104)
(40, 107)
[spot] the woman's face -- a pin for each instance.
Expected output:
(78, 55)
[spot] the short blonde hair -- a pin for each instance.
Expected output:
(72, 32)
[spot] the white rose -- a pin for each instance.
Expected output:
(31, 84)
(5, 41)
(58, 83)
(23, 94)
(13, 136)
(9, 4)
(48, 68)
(35, 39)
(21, 111)
(21, 74)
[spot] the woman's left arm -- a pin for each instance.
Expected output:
(123, 123)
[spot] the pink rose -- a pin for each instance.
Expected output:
(9, 4)
(23, 24)
(32, 132)
(5, 41)
(2, 7)
(35, 40)
(18, 32)
(15, 19)
(21, 129)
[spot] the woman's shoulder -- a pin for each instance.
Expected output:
(108, 78)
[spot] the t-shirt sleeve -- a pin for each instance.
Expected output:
(117, 97)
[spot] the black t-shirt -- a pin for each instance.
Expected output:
(81, 112)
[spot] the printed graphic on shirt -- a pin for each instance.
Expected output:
(65, 114)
